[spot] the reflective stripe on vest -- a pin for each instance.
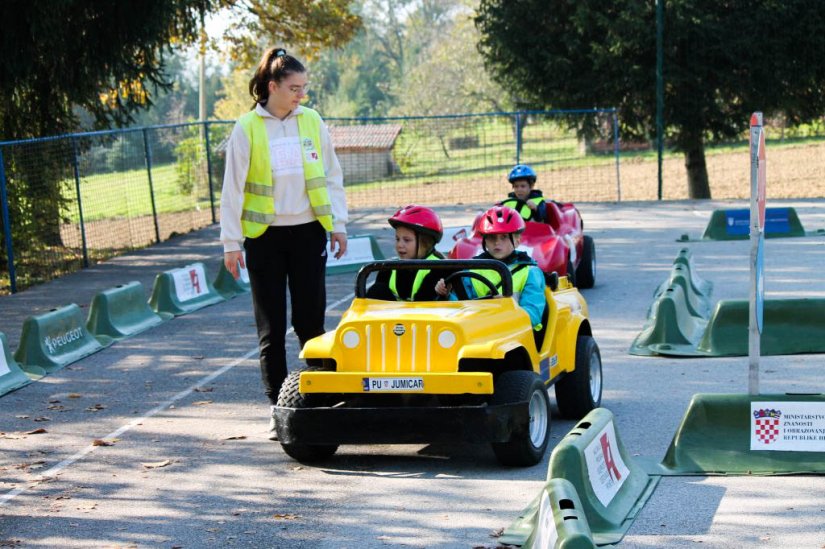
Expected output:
(525, 211)
(258, 201)
(419, 279)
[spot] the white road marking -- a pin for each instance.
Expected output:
(47, 475)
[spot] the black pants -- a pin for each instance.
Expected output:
(294, 256)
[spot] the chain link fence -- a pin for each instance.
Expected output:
(68, 202)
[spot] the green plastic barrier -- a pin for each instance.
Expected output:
(790, 326)
(181, 291)
(700, 285)
(360, 251)
(697, 303)
(735, 434)
(52, 340)
(12, 376)
(227, 286)
(671, 329)
(121, 311)
(612, 486)
(735, 224)
(554, 519)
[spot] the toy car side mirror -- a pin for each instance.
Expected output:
(552, 280)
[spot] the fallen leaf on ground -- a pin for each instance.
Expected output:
(156, 464)
(497, 533)
(201, 402)
(95, 407)
(75, 395)
(42, 418)
(28, 464)
(101, 442)
(22, 417)
(37, 431)
(236, 437)
(285, 516)
(204, 389)
(197, 357)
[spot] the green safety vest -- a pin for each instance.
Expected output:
(519, 272)
(258, 203)
(419, 279)
(525, 212)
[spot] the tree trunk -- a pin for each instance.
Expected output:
(697, 169)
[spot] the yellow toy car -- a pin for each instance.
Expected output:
(442, 371)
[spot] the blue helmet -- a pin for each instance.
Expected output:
(522, 171)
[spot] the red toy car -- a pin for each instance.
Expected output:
(559, 245)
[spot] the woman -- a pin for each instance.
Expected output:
(283, 192)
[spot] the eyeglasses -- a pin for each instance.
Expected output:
(298, 90)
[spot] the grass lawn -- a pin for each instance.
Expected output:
(127, 194)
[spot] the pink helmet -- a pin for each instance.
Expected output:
(419, 219)
(501, 220)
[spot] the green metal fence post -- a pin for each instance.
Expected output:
(616, 151)
(209, 170)
(148, 152)
(4, 204)
(660, 90)
(76, 169)
(518, 138)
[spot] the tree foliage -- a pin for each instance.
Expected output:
(105, 57)
(307, 26)
(722, 61)
(450, 77)
(69, 56)
(410, 57)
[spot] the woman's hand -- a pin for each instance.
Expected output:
(233, 261)
(341, 240)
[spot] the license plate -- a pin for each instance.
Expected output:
(392, 384)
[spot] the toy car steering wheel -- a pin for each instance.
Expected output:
(471, 274)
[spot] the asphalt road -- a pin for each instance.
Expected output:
(182, 419)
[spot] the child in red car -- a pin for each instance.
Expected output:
(525, 199)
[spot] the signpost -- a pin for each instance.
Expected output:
(757, 239)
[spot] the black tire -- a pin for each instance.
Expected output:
(526, 446)
(571, 272)
(579, 392)
(586, 273)
(290, 397)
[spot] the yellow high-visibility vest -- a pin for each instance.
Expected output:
(525, 212)
(419, 278)
(258, 203)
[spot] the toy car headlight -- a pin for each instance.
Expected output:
(446, 339)
(351, 339)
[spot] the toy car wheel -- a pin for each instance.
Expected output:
(291, 397)
(580, 391)
(526, 446)
(586, 273)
